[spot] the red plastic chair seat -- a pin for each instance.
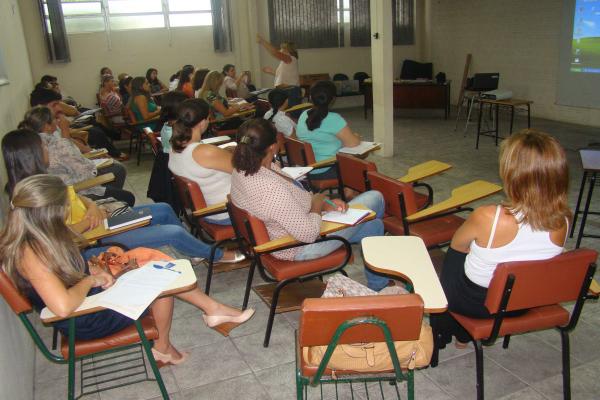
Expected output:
(285, 269)
(323, 184)
(124, 337)
(535, 319)
(432, 231)
(218, 232)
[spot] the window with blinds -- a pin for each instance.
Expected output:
(402, 20)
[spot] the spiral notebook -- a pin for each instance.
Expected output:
(352, 216)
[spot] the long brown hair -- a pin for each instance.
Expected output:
(535, 173)
(189, 114)
(37, 220)
(212, 82)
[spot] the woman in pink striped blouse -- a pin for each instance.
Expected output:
(259, 187)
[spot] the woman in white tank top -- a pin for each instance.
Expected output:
(205, 164)
(286, 75)
(532, 224)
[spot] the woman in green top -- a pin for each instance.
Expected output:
(326, 131)
(141, 103)
(210, 93)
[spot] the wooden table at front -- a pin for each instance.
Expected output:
(186, 281)
(407, 258)
(414, 94)
(496, 104)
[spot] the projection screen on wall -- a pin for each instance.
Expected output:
(579, 67)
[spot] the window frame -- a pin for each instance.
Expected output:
(106, 15)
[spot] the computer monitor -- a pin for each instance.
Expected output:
(484, 82)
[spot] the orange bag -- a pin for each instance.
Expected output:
(116, 261)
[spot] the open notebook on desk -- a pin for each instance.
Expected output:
(296, 172)
(131, 217)
(361, 149)
(352, 216)
(216, 140)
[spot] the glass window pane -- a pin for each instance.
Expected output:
(346, 16)
(347, 4)
(85, 24)
(189, 5)
(191, 19)
(137, 22)
(134, 6)
(81, 8)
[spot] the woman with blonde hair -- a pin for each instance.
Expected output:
(210, 93)
(531, 224)
(286, 74)
(40, 256)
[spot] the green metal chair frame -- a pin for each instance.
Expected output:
(103, 375)
(318, 379)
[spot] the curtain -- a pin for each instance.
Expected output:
(403, 26)
(307, 23)
(57, 43)
(221, 26)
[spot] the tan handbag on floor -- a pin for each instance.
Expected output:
(369, 357)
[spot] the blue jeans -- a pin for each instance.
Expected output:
(165, 229)
(372, 200)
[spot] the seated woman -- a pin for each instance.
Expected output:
(66, 161)
(156, 86)
(43, 261)
(185, 81)
(326, 131)
(25, 155)
(125, 88)
(531, 224)
(205, 164)
(259, 187)
(219, 106)
(198, 80)
(141, 103)
(235, 86)
(168, 116)
(110, 100)
(279, 103)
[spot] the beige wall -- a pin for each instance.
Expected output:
(16, 348)
(134, 51)
(519, 39)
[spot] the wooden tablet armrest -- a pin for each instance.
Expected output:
(214, 209)
(424, 170)
(460, 196)
(95, 154)
(323, 163)
(297, 107)
(83, 128)
(97, 181)
(106, 164)
(594, 289)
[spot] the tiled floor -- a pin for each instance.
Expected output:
(239, 367)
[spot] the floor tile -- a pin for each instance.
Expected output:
(585, 383)
(457, 378)
(243, 387)
(142, 390)
(209, 364)
(525, 394)
(280, 350)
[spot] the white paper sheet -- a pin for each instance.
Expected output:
(362, 148)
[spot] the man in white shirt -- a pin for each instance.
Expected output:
(235, 86)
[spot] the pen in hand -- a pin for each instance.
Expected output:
(337, 207)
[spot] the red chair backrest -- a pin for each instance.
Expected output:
(320, 317)
(191, 195)
(390, 189)
(299, 153)
(239, 217)
(352, 171)
(540, 283)
(17, 302)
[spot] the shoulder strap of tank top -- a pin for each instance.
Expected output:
(493, 232)
(566, 234)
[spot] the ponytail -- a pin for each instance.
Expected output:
(276, 98)
(189, 114)
(322, 94)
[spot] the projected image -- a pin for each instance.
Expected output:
(585, 50)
